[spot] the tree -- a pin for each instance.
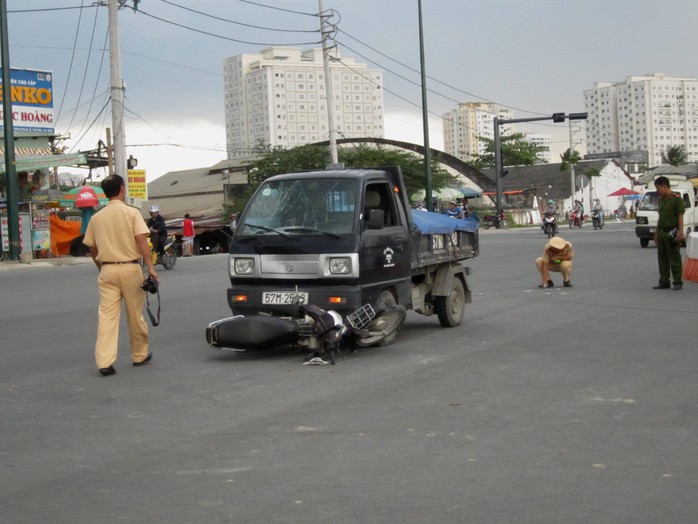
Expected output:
(516, 151)
(675, 156)
(569, 157)
(277, 160)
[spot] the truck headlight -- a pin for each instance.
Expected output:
(641, 220)
(243, 266)
(340, 265)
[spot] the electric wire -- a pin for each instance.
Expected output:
(259, 4)
(214, 35)
(84, 75)
(70, 67)
(99, 75)
(239, 23)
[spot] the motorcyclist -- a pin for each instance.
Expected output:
(599, 209)
(551, 210)
(579, 213)
(158, 230)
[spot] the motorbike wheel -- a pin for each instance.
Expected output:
(571, 223)
(486, 225)
(551, 232)
(169, 259)
(450, 309)
(644, 242)
(595, 223)
(388, 319)
(504, 224)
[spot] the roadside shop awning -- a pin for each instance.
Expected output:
(40, 160)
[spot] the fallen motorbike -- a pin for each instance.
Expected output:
(498, 221)
(597, 219)
(169, 257)
(549, 224)
(318, 331)
(576, 220)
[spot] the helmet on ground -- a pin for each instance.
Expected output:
(154, 209)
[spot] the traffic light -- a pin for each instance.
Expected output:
(558, 117)
(131, 162)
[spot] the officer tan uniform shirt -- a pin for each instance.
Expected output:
(112, 231)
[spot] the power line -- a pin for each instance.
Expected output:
(140, 11)
(70, 68)
(50, 9)
(259, 4)
(240, 23)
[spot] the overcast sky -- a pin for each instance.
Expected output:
(535, 56)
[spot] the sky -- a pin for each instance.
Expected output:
(533, 56)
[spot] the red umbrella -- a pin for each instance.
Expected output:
(86, 197)
(624, 192)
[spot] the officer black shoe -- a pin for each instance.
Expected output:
(145, 361)
(662, 286)
(105, 372)
(678, 286)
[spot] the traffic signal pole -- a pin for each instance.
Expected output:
(498, 167)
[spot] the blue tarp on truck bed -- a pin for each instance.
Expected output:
(429, 223)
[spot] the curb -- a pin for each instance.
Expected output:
(43, 263)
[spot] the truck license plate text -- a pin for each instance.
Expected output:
(283, 297)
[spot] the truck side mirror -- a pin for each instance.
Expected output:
(376, 219)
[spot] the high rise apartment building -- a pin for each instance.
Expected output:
(543, 142)
(462, 127)
(278, 97)
(651, 112)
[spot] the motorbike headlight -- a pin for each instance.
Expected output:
(243, 266)
(340, 265)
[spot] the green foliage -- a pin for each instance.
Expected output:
(592, 171)
(675, 156)
(569, 157)
(516, 151)
(277, 160)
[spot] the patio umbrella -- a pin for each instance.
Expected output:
(623, 191)
(84, 196)
(469, 192)
(445, 193)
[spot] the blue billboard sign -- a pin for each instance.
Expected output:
(32, 100)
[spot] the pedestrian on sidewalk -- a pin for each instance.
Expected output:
(188, 236)
(117, 238)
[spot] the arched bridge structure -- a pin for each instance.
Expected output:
(465, 169)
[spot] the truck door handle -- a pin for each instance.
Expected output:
(399, 239)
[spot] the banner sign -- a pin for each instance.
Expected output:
(32, 100)
(137, 186)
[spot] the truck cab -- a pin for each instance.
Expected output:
(647, 211)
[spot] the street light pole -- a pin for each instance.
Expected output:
(425, 116)
(14, 248)
(325, 32)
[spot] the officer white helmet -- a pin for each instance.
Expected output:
(154, 209)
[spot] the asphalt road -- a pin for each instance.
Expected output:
(564, 405)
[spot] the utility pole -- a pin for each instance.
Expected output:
(117, 92)
(573, 188)
(425, 116)
(325, 32)
(14, 248)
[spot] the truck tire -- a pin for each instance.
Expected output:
(451, 308)
(644, 242)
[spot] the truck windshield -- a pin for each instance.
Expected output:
(649, 201)
(302, 206)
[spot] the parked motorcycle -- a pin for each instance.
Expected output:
(597, 219)
(576, 220)
(498, 221)
(549, 224)
(168, 260)
(317, 330)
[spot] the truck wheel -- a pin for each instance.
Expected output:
(451, 308)
(644, 242)
(389, 321)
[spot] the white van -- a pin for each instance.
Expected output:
(646, 217)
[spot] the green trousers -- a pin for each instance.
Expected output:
(669, 259)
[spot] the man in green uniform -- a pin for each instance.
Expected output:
(671, 209)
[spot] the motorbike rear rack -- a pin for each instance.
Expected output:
(361, 318)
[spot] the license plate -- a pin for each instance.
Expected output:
(653, 230)
(284, 297)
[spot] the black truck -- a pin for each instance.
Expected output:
(340, 239)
